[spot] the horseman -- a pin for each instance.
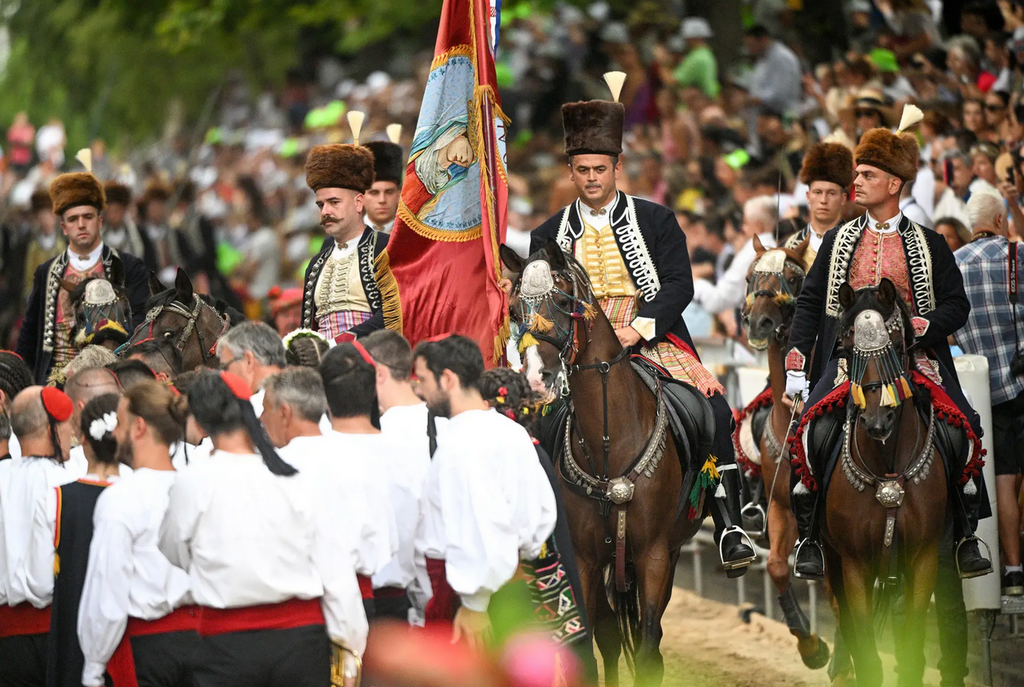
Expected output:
(881, 244)
(381, 202)
(635, 256)
(340, 291)
(45, 338)
(828, 172)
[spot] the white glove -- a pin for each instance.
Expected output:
(796, 384)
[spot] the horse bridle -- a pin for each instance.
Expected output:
(772, 264)
(192, 319)
(537, 290)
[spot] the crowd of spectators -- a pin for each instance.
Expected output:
(702, 137)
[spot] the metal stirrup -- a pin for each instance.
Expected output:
(743, 562)
(800, 545)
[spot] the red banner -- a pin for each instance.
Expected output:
(440, 271)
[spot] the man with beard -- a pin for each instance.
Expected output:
(134, 601)
(473, 545)
(340, 287)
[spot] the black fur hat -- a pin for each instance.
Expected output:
(593, 127)
(388, 159)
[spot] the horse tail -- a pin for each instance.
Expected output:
(626, 606)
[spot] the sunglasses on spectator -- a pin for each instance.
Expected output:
(994, 108)
(867, 113)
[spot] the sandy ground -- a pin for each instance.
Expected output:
(707, 644)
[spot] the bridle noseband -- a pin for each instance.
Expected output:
(192, 319)
(772, 265)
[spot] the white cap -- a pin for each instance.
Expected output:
(696, 27)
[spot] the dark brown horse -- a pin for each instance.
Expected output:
(185, 324)
(103, 313)
(774, 282)
(616, 420)
(886, 503)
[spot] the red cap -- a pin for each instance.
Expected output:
(237, 385)
(57, 404)
(285, 298)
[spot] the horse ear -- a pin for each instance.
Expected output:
(117, 273)
(759, 248)
(510, 259)
(887, 292)
(155, 285)
(847, 296)
(555, 256)
(67, 285)
(183, 287)
(801, 247)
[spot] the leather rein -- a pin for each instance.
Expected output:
(191, 325)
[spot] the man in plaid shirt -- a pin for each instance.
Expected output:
(991, 331)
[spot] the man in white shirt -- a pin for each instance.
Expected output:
(14, 377)
(270, 584)
(134, 601)
(404, 419)
(488, 502)
(81, 388)
(759, 218)
(253, 351)
(40, 417)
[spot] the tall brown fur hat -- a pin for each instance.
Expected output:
(593, 127)
(340, 165)
(387, 161)
(117, 193)
(828, 162)
(156, 190)
(40, 200)
(74, 189)
(897, 154)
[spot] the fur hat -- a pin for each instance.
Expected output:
(339, 165)
(118, 193)
(896, 154)
(40, 200)
(593, 127)
(156, 189)
(74, 189)
(387, 161)
(828, 162)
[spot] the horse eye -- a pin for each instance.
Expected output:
(168, 334)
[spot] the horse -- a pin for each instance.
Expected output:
(103, 313)
(774, 282)
(185, 325)
(616, 459)
(886, 505)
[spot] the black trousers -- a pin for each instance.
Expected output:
(23, 660)
(165, 660)
(300, 657)
(392, 608)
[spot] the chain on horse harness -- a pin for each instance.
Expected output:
(192, 319)
(537, 290)
(872, 342)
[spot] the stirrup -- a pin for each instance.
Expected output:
(751, 511)
(796, 558)
(742, 562)
(988, 556)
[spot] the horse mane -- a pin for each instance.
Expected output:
(578, 275)
(867, 299)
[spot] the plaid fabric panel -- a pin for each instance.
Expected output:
(340, 322)
(621, 311)
(989, 329)
(554, 603)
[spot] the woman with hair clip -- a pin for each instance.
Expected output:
(269, 580)
(62, 529)
(508, 392)
(304, 347)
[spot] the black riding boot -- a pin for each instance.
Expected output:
(969, 560)
(810, 559)
(733, 544)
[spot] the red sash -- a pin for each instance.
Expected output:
(23, 619)
(445, 602)
(286, 615)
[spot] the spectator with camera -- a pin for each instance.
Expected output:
(990, 268)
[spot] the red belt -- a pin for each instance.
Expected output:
(179, 620)
(283, 616)
(365, 586)
(23, 619)
(445, 602)
(389, 593)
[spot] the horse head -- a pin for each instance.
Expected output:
(183, 323)
(876, 335)
(549, 300)
(102, 309)
(774, 282)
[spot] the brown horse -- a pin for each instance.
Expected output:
(616, 421)
(886, 504)
(103, 313)
(774, 282)
(185, 324)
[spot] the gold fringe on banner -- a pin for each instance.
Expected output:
(391, 302)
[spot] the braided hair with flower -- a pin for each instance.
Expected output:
(97, 425)
(508, 392)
